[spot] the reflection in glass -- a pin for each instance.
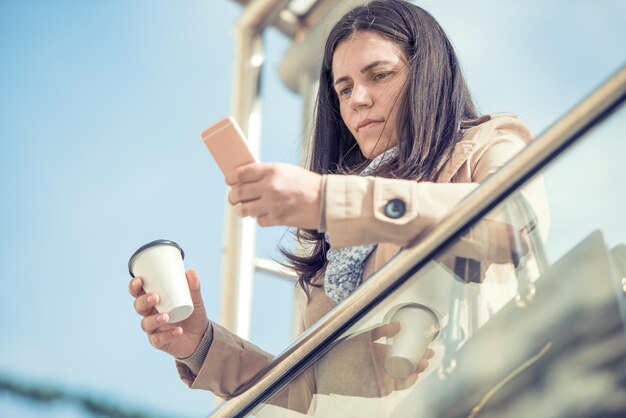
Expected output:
(522, 315)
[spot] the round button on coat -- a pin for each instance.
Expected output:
(395, 209)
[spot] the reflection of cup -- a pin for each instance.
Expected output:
(160, 265)
(418, 327)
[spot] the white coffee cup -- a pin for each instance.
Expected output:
(418, 328)
(160, 265)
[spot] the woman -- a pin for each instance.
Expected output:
(397, 144)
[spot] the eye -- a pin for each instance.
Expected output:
(382, 76)
(344, 91)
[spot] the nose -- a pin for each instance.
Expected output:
(360, 97)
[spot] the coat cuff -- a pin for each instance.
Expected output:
(322, 222)
(367, 210)
(195, 361)
(229, 363)
(347, 198)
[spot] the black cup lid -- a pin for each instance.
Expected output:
(149, 245)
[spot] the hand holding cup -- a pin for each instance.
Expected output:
(168, 298)
(381, 353)
(418, 328)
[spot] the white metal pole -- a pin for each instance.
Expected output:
(239, 236)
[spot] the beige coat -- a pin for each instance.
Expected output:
(355, 215)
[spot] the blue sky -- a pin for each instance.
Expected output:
(101, 107)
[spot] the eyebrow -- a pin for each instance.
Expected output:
(363, 70)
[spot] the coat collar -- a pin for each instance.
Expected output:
(463, 149)
(461, 152)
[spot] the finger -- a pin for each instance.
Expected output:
(385, 330)
(266, 220)
(244, 193)
(144, 304)
(253, 209)
(152, 323)
(194, 289)
(135, 287)
(422, 365)
(405, 383)
(429, 354)
(193, 281)
(161, 339)
(245, 174)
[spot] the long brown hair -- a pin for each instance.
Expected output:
(433, 104)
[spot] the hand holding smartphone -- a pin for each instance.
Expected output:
(227, 144)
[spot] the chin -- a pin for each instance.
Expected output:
(372, 148)
(368, 153)
(372, 152)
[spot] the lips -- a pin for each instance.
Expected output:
(366, 122)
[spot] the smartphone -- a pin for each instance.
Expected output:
(227, 144)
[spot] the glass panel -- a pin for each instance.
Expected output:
(523, 315)
(272, 309)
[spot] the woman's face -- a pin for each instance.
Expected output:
(369, 75)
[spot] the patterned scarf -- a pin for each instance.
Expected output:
(344, 270)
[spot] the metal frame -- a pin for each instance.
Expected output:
(533, 158)
(239, 262)
(296, 27)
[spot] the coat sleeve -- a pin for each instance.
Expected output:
(230, 362)
(357, 214)
(358, 208)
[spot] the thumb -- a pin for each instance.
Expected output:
(385, 330)
(194, 286)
